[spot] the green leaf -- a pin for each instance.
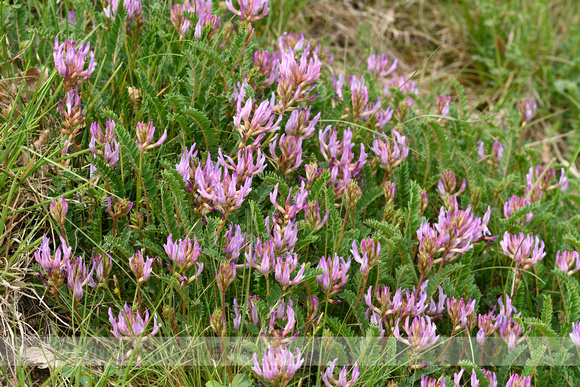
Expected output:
(534, 360)
(258, 219)
(547, 310)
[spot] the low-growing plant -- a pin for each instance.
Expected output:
(224, 211)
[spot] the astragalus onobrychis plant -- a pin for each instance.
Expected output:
(232, 210)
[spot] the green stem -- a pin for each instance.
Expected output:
(138, 204)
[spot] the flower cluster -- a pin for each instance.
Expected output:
(525, 250)
(455, 233)
(70, 59)
(340, 158)
(108, 144)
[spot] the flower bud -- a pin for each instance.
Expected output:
(141, 267)
(287, 93)
(353, 193)
(312, 215)
(424, 201)
(312, 174)
(217, 322)
(137, 220)
(425, 263)
(119, 209)
(226, 274)
(312, 306)
(58, 209)
(389, 191)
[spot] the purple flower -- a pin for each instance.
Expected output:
(443, 105)
(102, 266)
(291, 40)
(335, 274)
(519, 381)
(77, 278)
(402, 304)
(575, 334)
(200, 7)
(55, 265)
(252, 311)
(180, 22)
(284, 238)
(145, 134)
(250, 10)
(290, 157)
(377, 65)
(130, 325)
(184, 254)
(207, 20)
(436, 309)
(527, 109)
(285, 267)
(278, 365)
(261, 121)
(340, 158)
(58, 209)
(391, 154)
(284, 313)
(421, 333)
(491, 377)
(337, 83)
(298, 125)
(238, 316)
(72, 113)
(220, 190)
(525, 250)
(459, 311)
(234, 243)
(141, 267)
(432, 382)
(446, 186)
(506, 310)
(330, 381)
(246, 166)
(565, 260)
(487, 324)
(184, 167)
(111, 9)
(108, 140)
(70, 60)
(263, 257)
(514, 204)
(404, 86)
(361, 108)
(134, 9)
(539, 181)
(454, 233)
(510, 331)
(268, 65)
(302, 72)
(72, 16)
(289, 211)
(370, 250)
(497, 152)
(382, 118)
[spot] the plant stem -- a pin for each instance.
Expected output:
(337, 246)
(139, 172)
